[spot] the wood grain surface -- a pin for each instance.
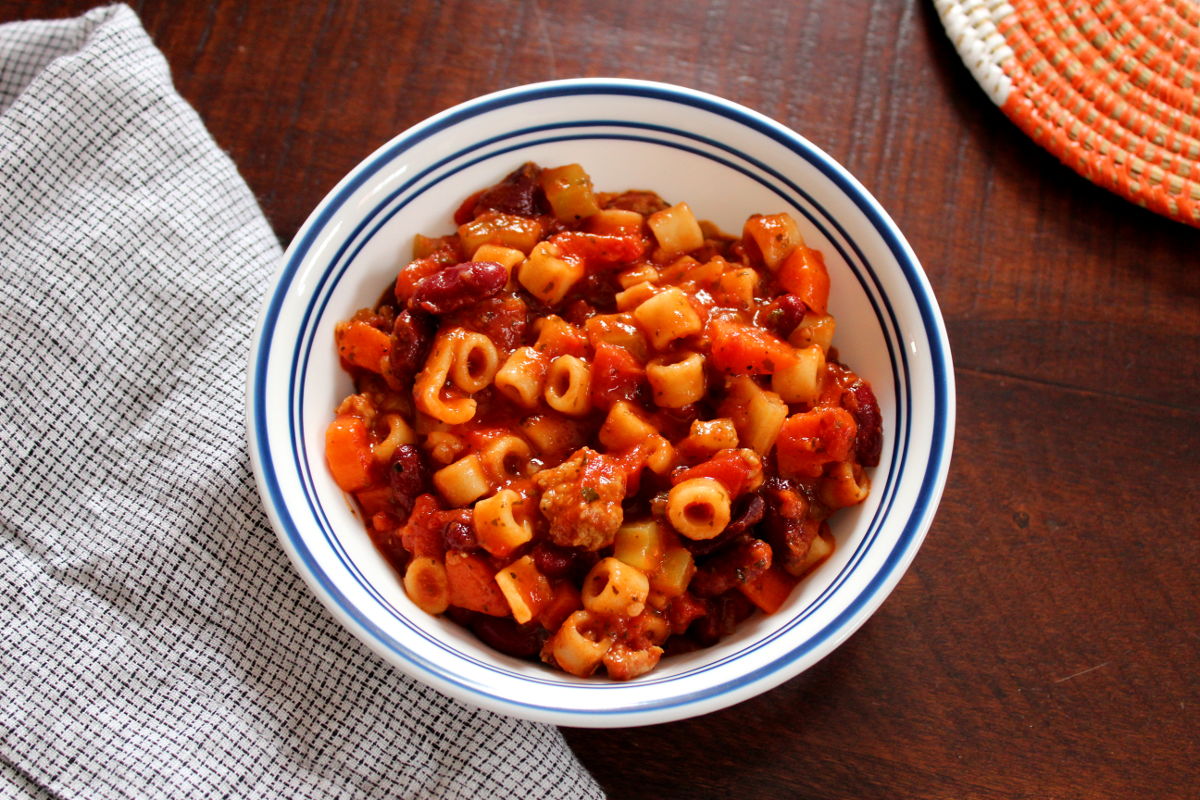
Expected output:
(1046, 641)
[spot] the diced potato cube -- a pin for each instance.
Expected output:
(506, 230)
(462, 482)
(642, 273)
(676, 229)
(569, 190)
(814, 329)
(615, 221)
(674, 573)
(640, 544)
(552, 435)
(757, 414)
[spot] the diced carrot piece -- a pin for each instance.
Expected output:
(740, 349)
(362, 345)
(769, 590)
(803, 274)
(375, 500)
(562, 604)
(348, 453)
(814, 438)
(473, 584)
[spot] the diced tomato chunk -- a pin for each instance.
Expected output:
(472, 584)
(616, 375)
(422, 535)
(599, 250)
(502, 319)
(732, 468)
(814, 438)
(740, 349)
(684, 610)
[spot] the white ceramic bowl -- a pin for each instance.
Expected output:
(726, 162)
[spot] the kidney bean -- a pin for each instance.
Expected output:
(643, 202)
(455, 287)
(748, 512)
(860, 401)
(519, 193)
(412, 334)
(407, 476)
(677, 422)
(723, 618)
(555, 561)
(742, 562)
(505, 635)
(786, 526)
(551, 560)
(579, 312)
(460, 535)
(784, 314)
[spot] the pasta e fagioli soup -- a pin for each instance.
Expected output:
(597, 431)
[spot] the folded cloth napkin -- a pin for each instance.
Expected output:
(156, 641)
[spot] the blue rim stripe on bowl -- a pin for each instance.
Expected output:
(930, 484)
(349, 251)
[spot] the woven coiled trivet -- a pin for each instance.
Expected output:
(1111, 87)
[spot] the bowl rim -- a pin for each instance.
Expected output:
(869, 598)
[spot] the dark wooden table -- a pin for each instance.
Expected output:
(1046, 641)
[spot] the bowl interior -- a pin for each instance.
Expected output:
(727, 164)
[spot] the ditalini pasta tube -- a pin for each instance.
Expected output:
(699, 508)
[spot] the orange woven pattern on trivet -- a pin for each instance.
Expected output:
(1111, 87)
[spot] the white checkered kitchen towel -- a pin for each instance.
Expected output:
(155, 640)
